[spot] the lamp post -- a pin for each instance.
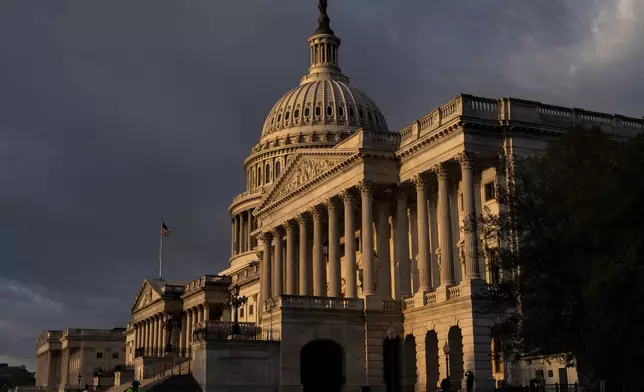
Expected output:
(236, 302)
(168, 324)
(446, 351)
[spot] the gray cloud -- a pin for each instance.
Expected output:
(113, 114)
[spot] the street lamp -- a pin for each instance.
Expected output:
(446, 351)
(236, 302)
(167, 322)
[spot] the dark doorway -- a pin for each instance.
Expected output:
(391, 361)
(322, 366)
(431, 356)
(456, 372)
(409, 350)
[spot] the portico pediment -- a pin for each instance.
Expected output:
(148, 294)
(304, 170)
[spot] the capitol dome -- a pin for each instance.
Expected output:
(324, 102)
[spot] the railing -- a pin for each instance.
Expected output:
(246, 275)
(308, 302)
(409, 303)
(94, 333)
(241, 196)
(430, 298)
(206, 280)
(390, 305)
(454, 292)
(173, 289)
(519, 111)
(223, 330)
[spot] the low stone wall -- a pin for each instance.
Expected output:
(236, 365)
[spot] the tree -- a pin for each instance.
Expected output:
(569, 240)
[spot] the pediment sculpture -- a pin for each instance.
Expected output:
(305, 172)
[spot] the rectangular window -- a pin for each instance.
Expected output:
(490, 192)
(250, 310)
(241, 312)
(550, 374)
(99, 355)
(115, 355)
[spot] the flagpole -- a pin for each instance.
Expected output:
(161, 250)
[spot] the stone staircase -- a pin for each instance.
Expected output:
(178, 383)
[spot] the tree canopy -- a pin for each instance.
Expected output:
(571, 235)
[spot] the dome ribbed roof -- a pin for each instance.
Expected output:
(324, 102)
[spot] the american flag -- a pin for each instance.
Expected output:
(165, 231)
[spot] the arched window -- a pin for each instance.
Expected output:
(259, 176)
(318, 111)
(278, 168)
(268, 173)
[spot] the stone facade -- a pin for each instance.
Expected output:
(63, 356)
(360, 232)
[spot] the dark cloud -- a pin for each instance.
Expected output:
(113, 114)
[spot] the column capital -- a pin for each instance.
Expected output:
(260, 254)
(419, 181)
(466, 159)
(440, 170)
(289, 225)
(366, 187)
(265, 235)
(331, 204)
(277, 231)
(316, 212)
(302, 219)
(347, 195)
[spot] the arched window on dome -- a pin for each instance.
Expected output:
(267, 173)
(259, 176)
(278, 169)
(318, 111)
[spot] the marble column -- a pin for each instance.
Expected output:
(402, 244)
(291, 270)
(305, 266)
(182, 334)
(249, 226)
(136, 338)
(366, 191)
(349, 246)
(319, 263)
(188, 331)
(232, 238)
(278, 265)
(423, 235)
(241, 233)
(150, 336)
(266, 273)
(155, 336)
(206, 313)
(383, 287)
(161, 335)
(444, 237)
(469, 215)
(335, 275)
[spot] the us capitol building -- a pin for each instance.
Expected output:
(350, 248)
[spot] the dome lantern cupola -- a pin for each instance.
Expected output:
(324, 108)
(324, 50)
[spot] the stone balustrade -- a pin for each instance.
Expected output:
(512, 110)
(93, 333)
(408, 303)
(223, 330)
(454, 292)
(311, 302)
(206, 281)
(430, 298)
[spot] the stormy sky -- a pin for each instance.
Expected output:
(116, 113)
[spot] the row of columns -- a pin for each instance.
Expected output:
(242, 225)
(191, 317)
(309, 276)
(151, 335)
